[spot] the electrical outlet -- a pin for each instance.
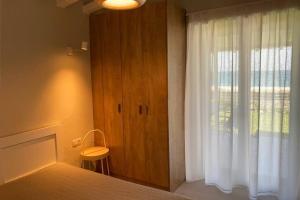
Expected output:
(76, 142)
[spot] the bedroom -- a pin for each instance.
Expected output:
(194, 97)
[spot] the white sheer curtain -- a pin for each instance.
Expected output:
(243, 102)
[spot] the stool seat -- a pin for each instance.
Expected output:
(94, 153)
(91, 155)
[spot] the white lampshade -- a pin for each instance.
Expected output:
(84, 45)
(121, 4)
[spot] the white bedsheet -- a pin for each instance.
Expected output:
(65, 182)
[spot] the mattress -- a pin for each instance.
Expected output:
(65, 182)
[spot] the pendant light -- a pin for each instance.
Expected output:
(121, 4)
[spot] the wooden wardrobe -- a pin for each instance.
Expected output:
(138, 70)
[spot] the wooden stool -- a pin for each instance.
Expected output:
(96, 153)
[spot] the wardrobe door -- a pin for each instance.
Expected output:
(96, 73)
(113, 91)
(134, 94)
(155, 62)
(108, 36)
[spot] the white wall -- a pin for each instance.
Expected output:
(39, 84)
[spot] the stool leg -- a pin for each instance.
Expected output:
(102, 170)
(107, 165)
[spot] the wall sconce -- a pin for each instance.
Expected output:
(83, 48)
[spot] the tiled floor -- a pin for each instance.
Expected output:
(199, 191)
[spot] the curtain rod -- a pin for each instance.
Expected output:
(261, 3)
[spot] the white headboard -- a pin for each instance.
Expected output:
(27, 152)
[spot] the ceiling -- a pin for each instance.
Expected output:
(198, 5)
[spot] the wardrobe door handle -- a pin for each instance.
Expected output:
(119, 108)
(140, 109)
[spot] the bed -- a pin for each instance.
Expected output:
(43, 178)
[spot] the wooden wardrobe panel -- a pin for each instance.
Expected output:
(134, 84)
(96, 71)
(176, 91)
(112, 87)
(131, 58)
(154, 39)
